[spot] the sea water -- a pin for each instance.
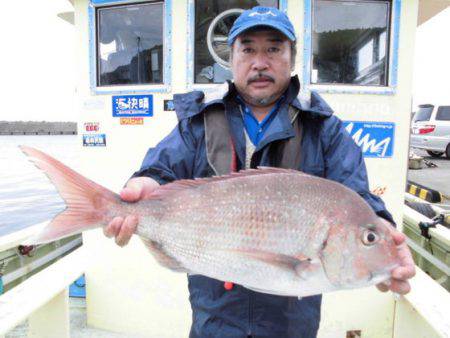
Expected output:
(26, 195)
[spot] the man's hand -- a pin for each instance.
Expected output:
(400, 275)
(122, 228)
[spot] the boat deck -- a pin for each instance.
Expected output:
(78, 324)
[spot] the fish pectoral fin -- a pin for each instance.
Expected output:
(162, 257)
(301, 264)
(307, 267)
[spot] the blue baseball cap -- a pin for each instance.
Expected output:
(262, 16)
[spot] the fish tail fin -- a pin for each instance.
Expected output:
(87, 202)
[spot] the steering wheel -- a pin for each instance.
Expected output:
(217, 35)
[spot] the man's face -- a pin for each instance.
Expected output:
(261, 66)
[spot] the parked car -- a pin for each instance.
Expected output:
(430, 129)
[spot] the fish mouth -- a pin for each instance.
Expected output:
(379, 278)
(382, 274)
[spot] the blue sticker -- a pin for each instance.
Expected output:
(132, 105)
(376, 139)
(94, 140)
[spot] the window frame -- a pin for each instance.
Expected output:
(391, 50)
(167, 50)
(190, 55)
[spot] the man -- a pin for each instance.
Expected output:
(259, 119)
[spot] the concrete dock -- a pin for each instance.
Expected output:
(37, 128)
(434, 178)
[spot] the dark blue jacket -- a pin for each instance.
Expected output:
(327, 151)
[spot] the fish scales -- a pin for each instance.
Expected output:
(236, 213)
(272, 230)
(240, 219)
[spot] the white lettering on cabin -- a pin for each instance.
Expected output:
(367, 144)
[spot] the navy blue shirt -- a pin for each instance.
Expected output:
(254, 128)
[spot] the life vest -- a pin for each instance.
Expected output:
(221, 153)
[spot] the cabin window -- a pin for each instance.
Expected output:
(350, 42)
(130, 44)
(213, 21)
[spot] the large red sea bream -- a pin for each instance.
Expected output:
(272, 230)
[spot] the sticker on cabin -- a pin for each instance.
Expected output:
(168, 105)
(132, 106)
(91, 126)
(132, 121)
(376, 139)
(94, 140)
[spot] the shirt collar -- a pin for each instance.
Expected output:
(246, 108)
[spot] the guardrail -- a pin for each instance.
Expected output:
(430, 245)
(43, 299)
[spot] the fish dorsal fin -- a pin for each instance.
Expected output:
(176, 186)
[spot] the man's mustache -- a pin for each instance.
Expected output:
(259, 77)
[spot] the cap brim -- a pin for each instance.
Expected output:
(274, 25)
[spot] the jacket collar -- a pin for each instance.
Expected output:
(309, 102)
(190, 104)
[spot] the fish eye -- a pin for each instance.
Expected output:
(370, 237)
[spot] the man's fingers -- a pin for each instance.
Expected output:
(383, 287)
(126, 231)
(407, 268)
(138, 188)
(131, 193)
(399, 237)
(404, 272)
(112, 229)
(122, 229)
(399, 286)
(406, 257)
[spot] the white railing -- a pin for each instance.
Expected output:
(18, 237)
(424, 312)
(26, 269)
(43, 299)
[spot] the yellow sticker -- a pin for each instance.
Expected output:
(131, 120)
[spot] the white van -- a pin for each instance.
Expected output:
(430, 129)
